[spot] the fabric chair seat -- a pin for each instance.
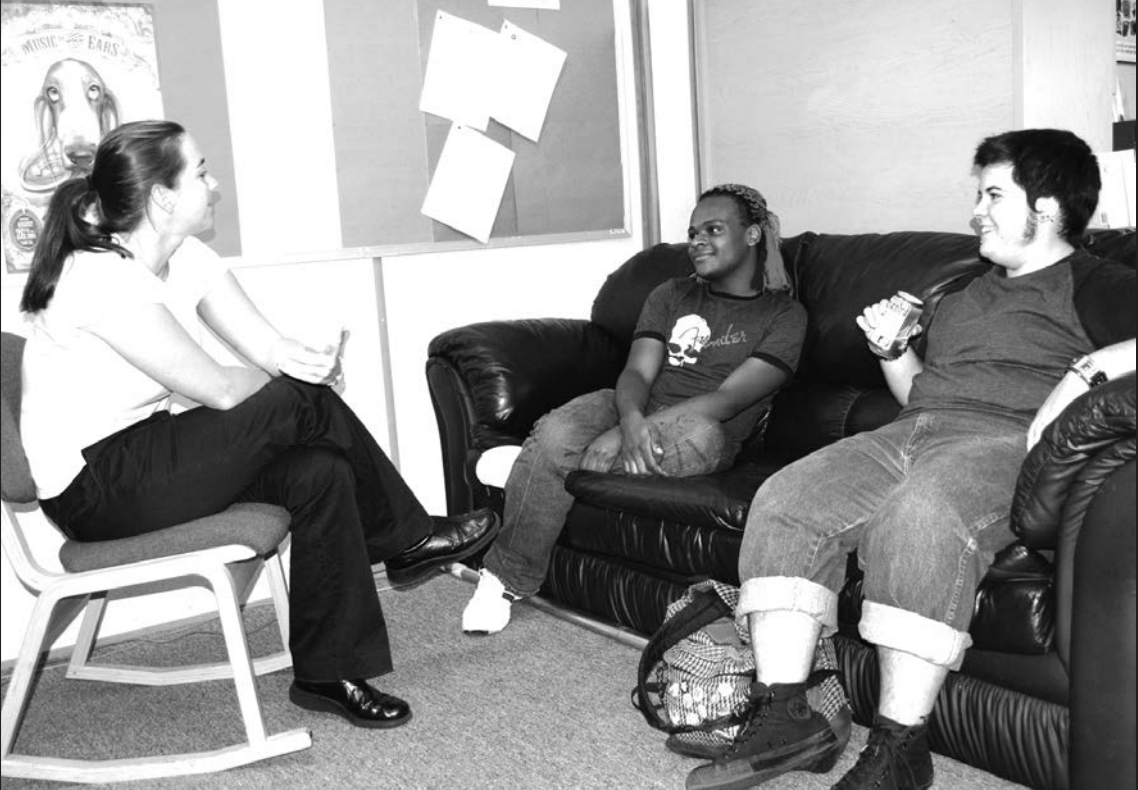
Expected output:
(259, 526)
(226, 551)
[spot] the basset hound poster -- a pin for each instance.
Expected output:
(70, 73)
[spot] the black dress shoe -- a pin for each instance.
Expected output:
(454, 538)
(355, 700)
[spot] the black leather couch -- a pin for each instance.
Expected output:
(1046, 696)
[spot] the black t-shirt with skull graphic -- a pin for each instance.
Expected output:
(709, 334)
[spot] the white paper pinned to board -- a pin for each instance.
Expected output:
(469, 181)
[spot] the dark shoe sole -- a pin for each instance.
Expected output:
(414, 574)
(819, 757)
(315, 702)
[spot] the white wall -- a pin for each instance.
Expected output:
(1124, 72)
(865, 120)
(674, 117)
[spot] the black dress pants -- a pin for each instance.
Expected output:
(291, 444)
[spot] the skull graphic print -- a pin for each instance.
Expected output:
(689, 335)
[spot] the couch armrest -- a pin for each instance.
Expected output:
(1062, 473)
(1076, 494)
(1099, 651)
(516, 371)
(490, 382)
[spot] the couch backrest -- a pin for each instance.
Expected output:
(838, 275)
(839, 389)
(617, 305)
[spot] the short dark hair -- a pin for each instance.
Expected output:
(1051, 163)
(129, 162)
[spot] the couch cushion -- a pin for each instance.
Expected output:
(717, 500)
(813, 415)
(656, 545)
(616, 307)
(838, 275)
(839, 389)
(1117, 244)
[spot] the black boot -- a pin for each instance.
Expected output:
(894, 758)
(453, 539)
(783, 733)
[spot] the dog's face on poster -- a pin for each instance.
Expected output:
(73, 110)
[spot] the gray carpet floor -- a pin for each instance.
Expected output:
(543, 705)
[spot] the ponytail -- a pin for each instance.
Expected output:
(66, 229)
(775, 277)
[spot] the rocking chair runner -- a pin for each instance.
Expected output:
(227, 550)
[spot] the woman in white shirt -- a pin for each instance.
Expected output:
(117, 286)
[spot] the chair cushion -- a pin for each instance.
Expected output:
(261, 527)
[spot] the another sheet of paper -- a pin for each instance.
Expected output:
(1116, 199)
(469, 182)
(528, 70)
(461, 70)
(549, 5)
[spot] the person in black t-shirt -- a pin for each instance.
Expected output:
(708, 353)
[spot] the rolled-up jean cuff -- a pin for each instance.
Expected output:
(789, 594)
(909, 632)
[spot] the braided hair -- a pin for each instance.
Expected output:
(753, 209)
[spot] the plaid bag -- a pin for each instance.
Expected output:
(697, 669)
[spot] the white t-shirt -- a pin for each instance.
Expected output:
(77, 389)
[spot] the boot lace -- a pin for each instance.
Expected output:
(756, 718)
(881, 763)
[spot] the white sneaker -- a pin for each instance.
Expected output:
(489, 609)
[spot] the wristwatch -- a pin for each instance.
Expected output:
(1086, 369)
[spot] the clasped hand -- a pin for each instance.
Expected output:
(635, 441)
(314, 365)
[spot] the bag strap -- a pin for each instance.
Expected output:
(704, 608)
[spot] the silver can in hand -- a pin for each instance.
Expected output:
(891, 335)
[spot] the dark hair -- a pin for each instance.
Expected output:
(770, 271)
(85, 213)
(1051, 163)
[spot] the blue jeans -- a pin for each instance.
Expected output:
(536, 499)
(925, 501)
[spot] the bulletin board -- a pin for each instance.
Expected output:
(572, 180)
(572, 183)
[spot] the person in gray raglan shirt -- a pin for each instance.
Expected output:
(707, 356)
(925, 500)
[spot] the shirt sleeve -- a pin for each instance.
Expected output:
(781, 343)
(656, 313)
(1104, 301)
